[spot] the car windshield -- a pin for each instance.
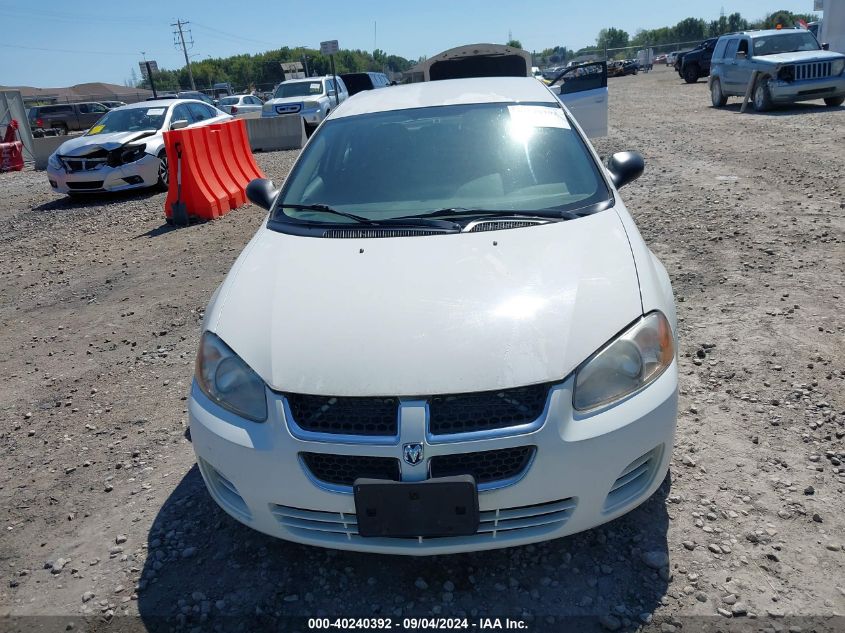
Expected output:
(229, 100)
(130, 120)
(785, 43)
(298, 89)
(495, 157)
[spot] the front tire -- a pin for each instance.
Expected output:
(833, 102)
(691, 74)
(61, 129)
(762, 98)
(717, 97)
(163, 172)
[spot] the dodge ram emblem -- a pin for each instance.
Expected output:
(412, 453)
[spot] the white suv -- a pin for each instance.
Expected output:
(312, 99)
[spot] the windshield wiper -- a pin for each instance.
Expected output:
(323, 208)
(393, 222)
(452, 211)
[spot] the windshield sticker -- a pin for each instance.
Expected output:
(96, 129)
(316, 88)
(538, 116)
(155, 111)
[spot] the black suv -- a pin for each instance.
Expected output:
(695, 64)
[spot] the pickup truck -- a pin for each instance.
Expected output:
(67, 117)
(312, 99)
(695, 64)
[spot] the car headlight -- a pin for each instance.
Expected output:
(308, 105)
(837, 66)
(131, 153)
(54, 161)
(228, 380)
(629, 362)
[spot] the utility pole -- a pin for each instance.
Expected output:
(178, 25)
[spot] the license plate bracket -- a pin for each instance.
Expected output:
(445, 506)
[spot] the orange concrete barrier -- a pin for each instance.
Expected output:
(209, 168)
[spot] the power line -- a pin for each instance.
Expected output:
(231, 35)
(64, 50)
(28, 14)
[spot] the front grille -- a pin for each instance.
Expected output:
(289, 109)
(812, 70)
(486, 410)
(343, 470)
(499, 524)
(345, 416)
(634, 479)
(486, 466)
(90, 184)
(84, 165)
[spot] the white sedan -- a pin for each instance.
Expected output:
(125, 148)
(240, 104)
(479, 352)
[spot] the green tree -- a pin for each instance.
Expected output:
(514, 43)
(612, 38)
(737, 23)
(690, 29)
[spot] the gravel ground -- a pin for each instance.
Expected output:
(104, 513)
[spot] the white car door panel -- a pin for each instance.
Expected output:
(583, 89)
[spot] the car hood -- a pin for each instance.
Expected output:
(82, 145)
(799, 56)
(425, 315)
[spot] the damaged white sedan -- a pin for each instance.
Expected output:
(125, 148)
(447, 336)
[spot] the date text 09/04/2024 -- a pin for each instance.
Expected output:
(415, 624)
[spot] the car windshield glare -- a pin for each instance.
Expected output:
(299, 89)
(785, 43)
(229, 100)
(130, 120)
(496, 157)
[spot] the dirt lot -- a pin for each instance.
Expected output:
(104, 513)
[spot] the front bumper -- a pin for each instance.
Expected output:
(253, 471)
(312, 117)
(807, 89)
(141, 173)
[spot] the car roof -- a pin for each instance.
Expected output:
(306, 79)
(447, 92)
(763, 32)
(162, 103)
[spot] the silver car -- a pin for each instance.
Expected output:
(790, 64)
(125, 148)
(239, 104)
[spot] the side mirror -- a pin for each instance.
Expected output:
(825, 46)
(178, 124)
(261, 192)
(625, 167)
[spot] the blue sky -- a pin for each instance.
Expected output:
(102, 41)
